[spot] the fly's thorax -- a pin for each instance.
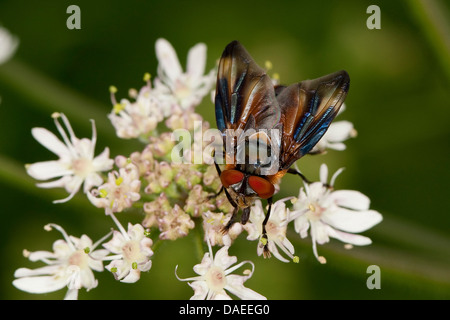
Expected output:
(254, 152)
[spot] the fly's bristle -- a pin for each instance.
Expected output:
(224, 230)
(266, 252)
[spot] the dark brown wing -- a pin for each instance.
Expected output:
(244, 92)
(307, 109)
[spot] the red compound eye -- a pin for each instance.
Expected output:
(230, 177)
(261, 186)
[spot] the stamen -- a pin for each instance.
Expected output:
(119, 226)
(49, 227)
(118, 107)
(263, 240)
(103, 193)
(147, 77)
(335, 175)
(94, 138)
(112, 89)
(119, 181)
(133, 93)
(101, 240)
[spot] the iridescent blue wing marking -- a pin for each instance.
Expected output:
(307, 109)
(244, 92)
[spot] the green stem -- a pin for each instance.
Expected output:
(51, 96)
(14, 175)
(156, 244)
(426, 261)
(431, 18)
(198, 239)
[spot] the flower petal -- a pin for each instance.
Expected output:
(48, 169)
(351, 238)
(196, 60)
(50, 141)
(235, 285)
(319, 232)
(39, 255)
(323, 173)
(222, 259)
(116, 243)
(350, 199)
(352, 221)
(200, 290)
(8, 45)
(60, 183)
(168, 60)
(42, 284)
(301, 225)
(25, 272)
(102, 162)
(133, 276)
(87, 278)
(72, 294)
(203, 267)
(339, 131)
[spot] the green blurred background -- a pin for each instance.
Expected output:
(398, 102)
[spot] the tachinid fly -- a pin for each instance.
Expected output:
(266, 129)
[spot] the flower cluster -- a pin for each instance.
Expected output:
(175, 196)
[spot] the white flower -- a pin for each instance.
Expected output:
(275, 228)
(119, 192)
(70, 264)
(131, 252)
(76, 163)
(8, 45)
(336, 214)
(182, 90)
(337, 133)
(215, 277)
(213, 224)
(138, 118)
(174, 223)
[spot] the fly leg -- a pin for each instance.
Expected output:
(215, 195)
(294, 171)
(233, 216)
(264, 239)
